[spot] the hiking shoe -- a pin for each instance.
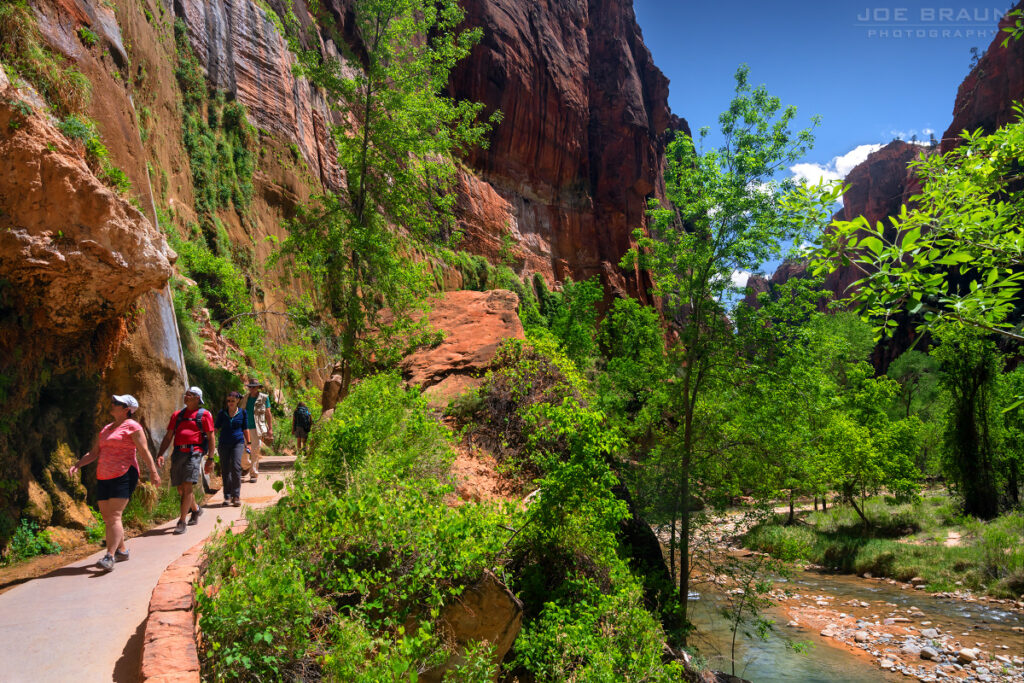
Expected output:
(193, 518)
(121, 557)
(106, 563)
(180, 527)
(254, 478)
(235, 502)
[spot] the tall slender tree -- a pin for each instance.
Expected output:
(723, 216)
(398, 136)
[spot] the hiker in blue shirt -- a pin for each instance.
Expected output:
(235, 440)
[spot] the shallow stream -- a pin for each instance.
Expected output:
(774, 660)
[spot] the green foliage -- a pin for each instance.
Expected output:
(970, 372)
(97, 531)
(217, 136)
(954, 258)
(220, 283)
(84, 130)
(349, 572)
(24, 52)
(724, 215)
(572, 318)
(88, 36)
(28, 541)
(396, 145)
(990, 557)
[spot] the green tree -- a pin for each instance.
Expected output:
(397, 141)
(970, 371)
(723, 216)
(954, 256)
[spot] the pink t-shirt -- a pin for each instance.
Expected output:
(117, 450)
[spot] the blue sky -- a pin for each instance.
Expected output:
(827, 58)
(873, 71)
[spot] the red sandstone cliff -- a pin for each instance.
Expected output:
(580, 149)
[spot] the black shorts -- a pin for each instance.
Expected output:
(121, 487)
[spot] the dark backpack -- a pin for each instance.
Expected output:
(204, 444)
(303, 418)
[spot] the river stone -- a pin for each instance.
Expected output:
(862, 636)
(967, 655)
(929, 653)
(911, 649)
(886, 663)
(930, 633)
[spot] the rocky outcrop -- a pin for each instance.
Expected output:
(474, 325)
(485, 612)
(244, 55)
(72, 252)
(985, 98)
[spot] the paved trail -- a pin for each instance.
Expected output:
(79, 624)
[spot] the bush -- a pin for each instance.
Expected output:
(381, 551)
(28, 541)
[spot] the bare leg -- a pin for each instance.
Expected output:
(188, 500)
(111, 510)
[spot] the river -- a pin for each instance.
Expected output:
(775, 660)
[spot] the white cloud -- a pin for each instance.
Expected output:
(740, 277)
(836, 169)
(846, 163)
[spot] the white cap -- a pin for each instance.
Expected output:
(128, 400)
(198, 392)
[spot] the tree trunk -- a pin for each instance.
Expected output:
(792, 512)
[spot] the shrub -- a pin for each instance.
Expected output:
(28, 541)
(88, 36)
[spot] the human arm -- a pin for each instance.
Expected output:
(168, 437)
(93, 453)
(141, 447)
(248, 440)
(270, 419)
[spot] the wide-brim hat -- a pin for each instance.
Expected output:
(128, 400)
(254, 383)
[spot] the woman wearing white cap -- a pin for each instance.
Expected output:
(117, 472)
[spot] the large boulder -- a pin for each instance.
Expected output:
(474, 325)
(486, 612)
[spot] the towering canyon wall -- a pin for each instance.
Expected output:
(86, 308)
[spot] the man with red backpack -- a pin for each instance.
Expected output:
(191, 430)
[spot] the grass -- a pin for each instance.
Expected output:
(26, 56)
(906, 541)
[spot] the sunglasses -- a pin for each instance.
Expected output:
(119, 404)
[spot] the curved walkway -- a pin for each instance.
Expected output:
(81, 624)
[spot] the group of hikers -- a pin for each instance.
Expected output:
(243, 426)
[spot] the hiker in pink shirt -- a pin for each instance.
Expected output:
(117, 472)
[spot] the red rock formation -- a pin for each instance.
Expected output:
(73, 252)
(986, 96)
(245, 55)
(475, 324)
(581, 146)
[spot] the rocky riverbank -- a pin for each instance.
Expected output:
(907, 639)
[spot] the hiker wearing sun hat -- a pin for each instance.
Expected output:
(191, 430)
(117, 471)
(260, 423)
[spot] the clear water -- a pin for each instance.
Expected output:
(771, 660)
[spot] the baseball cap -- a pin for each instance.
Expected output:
(198, 392)
(128, 400)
